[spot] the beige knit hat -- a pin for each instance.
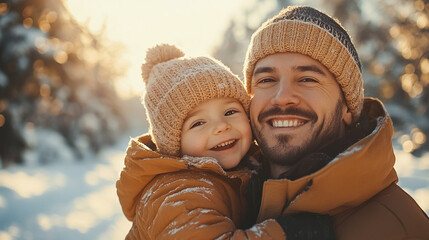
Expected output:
(175, 85)
(305, 30)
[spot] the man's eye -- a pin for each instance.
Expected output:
(307, 79)
(196, 124)
(266, 80)
(230, 112)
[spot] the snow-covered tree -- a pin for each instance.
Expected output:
(393, 41)
(57, 99)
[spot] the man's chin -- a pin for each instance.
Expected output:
(281, 158)
(282, 154)
(281, 151)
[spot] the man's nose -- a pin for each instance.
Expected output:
(285, 94)
(220, 126)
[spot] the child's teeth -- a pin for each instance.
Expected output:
(225, 143)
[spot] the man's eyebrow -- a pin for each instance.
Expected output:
(311, 68)
(263, 70)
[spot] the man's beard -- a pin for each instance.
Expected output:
(284, 154)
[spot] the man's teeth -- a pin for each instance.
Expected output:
(224, 144)
(287, 123)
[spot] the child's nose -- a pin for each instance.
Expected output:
(221, 126)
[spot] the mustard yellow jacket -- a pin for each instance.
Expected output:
(184, 198)
(358, 188)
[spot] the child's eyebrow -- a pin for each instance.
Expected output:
(229, 101)
(191, 114)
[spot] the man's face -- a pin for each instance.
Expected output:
(297, 107)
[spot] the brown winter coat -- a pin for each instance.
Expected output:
(358, 188)
(188, 198)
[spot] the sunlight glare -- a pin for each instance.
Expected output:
(28, 186)
(46, 222)
(421, 196)
(195, 26)
(408, 146)
(13, 232)
(424, 65)
(91, 209)
(419, 137)
(5, 236)
(101, 172)
(81, 221)
(118, 230)
(86, 213)
(61, 57)
(404, 167)
(27, 22)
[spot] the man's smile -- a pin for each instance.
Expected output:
(286, 123)
(289, 117)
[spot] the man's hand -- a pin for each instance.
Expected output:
(307, 226)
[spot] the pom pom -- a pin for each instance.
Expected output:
(158, 54)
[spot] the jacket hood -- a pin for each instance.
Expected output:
(142, 164)
(354, 176)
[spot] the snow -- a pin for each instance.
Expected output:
(258, 228)
(22, 47)
(174, 231)
(77, 200)
(45, 146)
(414, 177)
(207, 181)
(200, 161)
(202, 191)
(66, 200)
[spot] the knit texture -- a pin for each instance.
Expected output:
(305, 30)
(175, 85)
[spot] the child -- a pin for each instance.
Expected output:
(173, 184)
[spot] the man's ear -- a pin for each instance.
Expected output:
(347, 115)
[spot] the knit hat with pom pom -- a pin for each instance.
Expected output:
(175, 85)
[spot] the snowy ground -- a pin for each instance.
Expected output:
(64, 201)
(78, 200)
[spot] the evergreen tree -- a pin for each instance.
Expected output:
(56, 95)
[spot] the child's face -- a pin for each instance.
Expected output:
(217, 128)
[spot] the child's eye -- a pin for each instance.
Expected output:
(196, 124)
(230, 112)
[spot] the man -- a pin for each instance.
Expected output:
(325, 148)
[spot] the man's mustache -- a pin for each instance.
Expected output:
(275, 111)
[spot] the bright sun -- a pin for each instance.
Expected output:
(195, 26)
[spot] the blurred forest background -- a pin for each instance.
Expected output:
(57, 95)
